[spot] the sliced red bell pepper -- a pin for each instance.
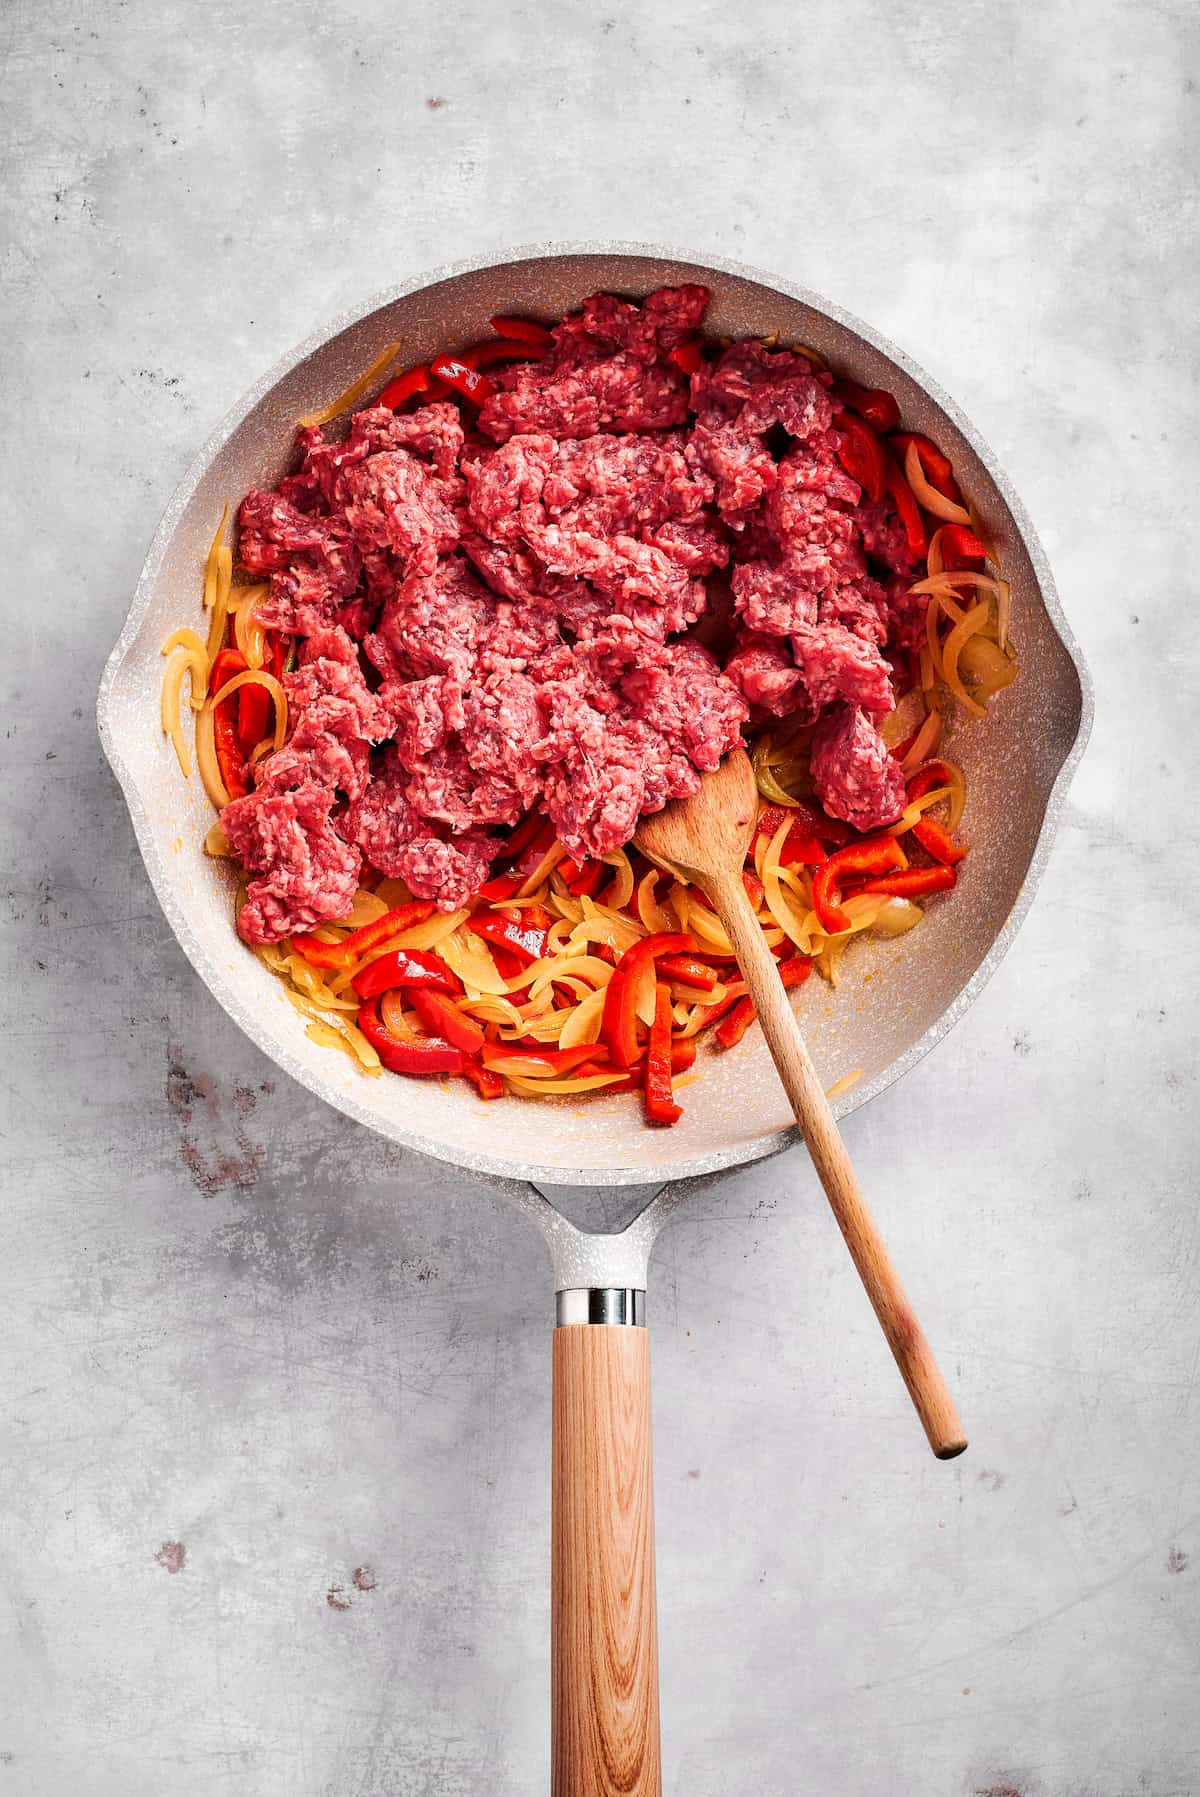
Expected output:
(660, 1105)
(442, 1018)
(755, 891)
(523, 834)
(861, 454)
(552, 1060)
(413, 380)
(231, 759)
(804, 818)
(912, 882)
(874, 855)
(801, 846)
(683, 1053)
(525, 330)
(619, 1027)
(874, 404)
(421, 1054)
(732, 1027)
(360, 942)
(502, 886)
(582, 877)
(406, 968)
(933, 773)
(687, 970)
(937, 841)
(961, 549)
(496, 351)
(688, 355)
(936, 467)
(900, 750)
(254, 702)
(485, 1082)
(525, 939)
(908, 510)
(465, 380)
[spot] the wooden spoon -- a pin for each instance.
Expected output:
(704, 839)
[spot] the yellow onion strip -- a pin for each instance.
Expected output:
(545, 1088)
(220, 610)
(583, 1021)
(249, 636)
(927, 495)
(621, 890)
(212, 561)
(549, 861)
(206, 759)
(467, 955)
(984, 661)
(967, 626)
(180, 664)
(366, 908)
(924, 743)
(215, 842)
(908, 715)
(657, 921)
(353, 392)
(257, 677)
(198, 661)
(764, 779)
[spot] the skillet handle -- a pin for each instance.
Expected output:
(604, 1642)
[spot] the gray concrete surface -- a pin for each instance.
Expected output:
(246, 1350)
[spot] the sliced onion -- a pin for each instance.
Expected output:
(469, 956)
(249, 636)
(220, 610)
(583, 1022)
(168, 707)
(215, 842)
(353, 392)
(547, 1088)
(1003, 612)
(907, 717)
(896, 916)
(987, 666)
(366, 908)
(256, 677)
(212, 562)
(969, 625)
(622, 887)
(945, 585)
(206, 759)
(549, 861)
(928, 496)
(925, 742)
(655, 919)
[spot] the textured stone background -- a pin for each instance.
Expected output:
(246, 1350)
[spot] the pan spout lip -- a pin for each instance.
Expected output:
(498, 1154)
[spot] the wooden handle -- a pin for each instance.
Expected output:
(914, 1357)
(604, 1648)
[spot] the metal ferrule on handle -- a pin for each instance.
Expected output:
(600, 1304)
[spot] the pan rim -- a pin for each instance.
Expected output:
(245, 1015)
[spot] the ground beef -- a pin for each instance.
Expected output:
(491, 619)
(854, 776)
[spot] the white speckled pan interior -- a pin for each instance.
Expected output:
(896, 1000)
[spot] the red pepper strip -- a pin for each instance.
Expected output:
(465, 380)
(688, 355)
(936, 467)
(421, 1054)
(687, 970)
(911, 882)
(525, 330)
(255, 704)
(552, 1060)
(901, 749)
(961, 549)
(801, 847)
(231, 759)
(660, 1105)
(733, 1027)
(874, 855)
(405, 967)
(619, 1027)
(526, 940)
(861, 455)
(754, 888)
(874, 404)
(485, 1082)
(587, 881)
(523, 834)
(937, 841)
(414, 380)
(442, 1017)
(502, 887)
(497, 350)
(360, 942)
(908, 509)
(934, 773)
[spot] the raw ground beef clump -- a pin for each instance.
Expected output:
(491, 617)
